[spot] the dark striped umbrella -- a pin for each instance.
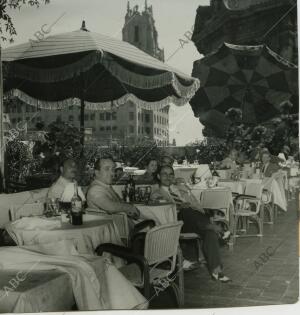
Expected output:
(252, 78)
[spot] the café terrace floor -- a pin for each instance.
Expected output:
(254, 282)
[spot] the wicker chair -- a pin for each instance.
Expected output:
(244, 210)
(158, 265)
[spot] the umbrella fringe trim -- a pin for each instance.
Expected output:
(128, 77)
(149, 82)
(57, 105)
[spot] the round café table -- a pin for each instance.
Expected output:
(94, 231)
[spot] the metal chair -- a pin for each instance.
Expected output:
(160, 264)
(16, 212)
(244, 209)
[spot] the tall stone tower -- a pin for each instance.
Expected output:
(139, 30)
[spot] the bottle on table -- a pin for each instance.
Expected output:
(76, 207)
(131, 189)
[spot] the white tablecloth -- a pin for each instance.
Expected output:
(235, 186)
(161, 214)
(86, 237)
(50, 283)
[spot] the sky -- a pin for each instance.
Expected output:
(173, 18)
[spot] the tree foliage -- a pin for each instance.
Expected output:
(7, 28)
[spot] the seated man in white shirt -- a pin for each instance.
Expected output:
(194, 218)
(101, 197)
(64, 187)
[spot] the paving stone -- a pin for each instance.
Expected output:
(276, 282)
(258, 284)
(250, 293)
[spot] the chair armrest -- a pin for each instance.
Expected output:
(242, 196)
(142, 225)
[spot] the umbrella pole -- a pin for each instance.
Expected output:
(82, 106)
(2, 144)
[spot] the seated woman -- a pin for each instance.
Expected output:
(149, 177)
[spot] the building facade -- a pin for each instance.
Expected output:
(127, 125)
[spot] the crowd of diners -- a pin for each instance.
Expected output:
(101, 197)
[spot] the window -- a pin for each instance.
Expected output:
(147, 130)
(108, 128)
(131, 115)
(92, 116)
(19, 109)
(147, 118)
(71, 118)
(86, 117)
(13, 120)
(136, 34)
(142, 118)
(114, 115)
(79, 117)
(101, 128)
(108, 116)
(139, 116)
(131, 129)
(139, 129)
(114, 128)
(101, 116)
(28, 108)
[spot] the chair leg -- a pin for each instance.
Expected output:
(270, 213)
(180, 277)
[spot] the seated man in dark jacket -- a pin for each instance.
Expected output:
(194, 218)
(268, 167)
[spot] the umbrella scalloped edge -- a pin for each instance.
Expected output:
(97, 106)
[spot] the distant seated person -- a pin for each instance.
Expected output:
(119, 176)
(64, 187)
(268, 167)
(149, 177)
(201, 174)
(101, 197)
(230, 162)
(166, 160)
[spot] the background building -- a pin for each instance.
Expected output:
(126, 125)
